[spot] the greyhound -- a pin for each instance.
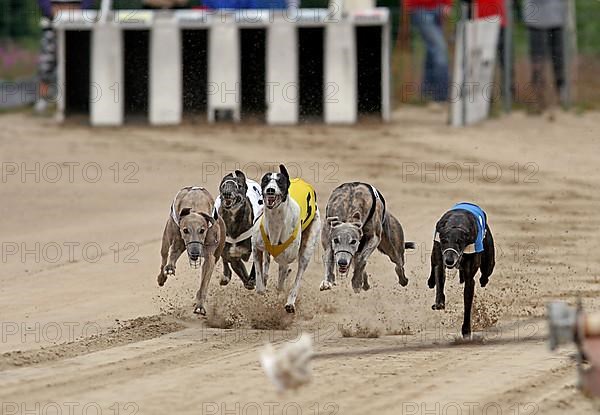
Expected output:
(357, 224)
(191, 227)
(462, 240)
(288, 231)
(240, 204)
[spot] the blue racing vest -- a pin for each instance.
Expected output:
(481, 222)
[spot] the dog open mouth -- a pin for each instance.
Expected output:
(343, 269)
(228, 203)
(194, 263)
(271, 201)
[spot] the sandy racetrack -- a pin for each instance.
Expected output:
(84, 324)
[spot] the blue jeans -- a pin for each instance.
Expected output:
(435, 76)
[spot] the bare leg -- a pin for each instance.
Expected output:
(366, 285)
(208, 265)
(259, 265)
(284, 271)
(361, 262)
(226, 271)
(240, 270)
(329, 279)
(164, 253)
(468, 302)
(175, 251)
(392, 245)
(307, 248)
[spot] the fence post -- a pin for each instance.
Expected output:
(508, 55)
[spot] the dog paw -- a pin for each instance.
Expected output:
(366, 286)
(438, 306)
(325, 285)
(250, 285)
(261, 291)
(356, 290)
(199, 309)
(225, 280)
(484, 281)
(290, 308)
(403, 281)
(162, 278)
(431, 282)
(169, 271)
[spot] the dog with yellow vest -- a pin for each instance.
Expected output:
(288, 231)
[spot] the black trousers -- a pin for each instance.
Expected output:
(544, 43)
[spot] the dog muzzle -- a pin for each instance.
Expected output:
(343, 264)
(194, 251)
(457, 256)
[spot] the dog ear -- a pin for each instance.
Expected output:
(441, 224)
(284, 171)
(184, 212)
(211, 221)
(240, 174)
(333, 221)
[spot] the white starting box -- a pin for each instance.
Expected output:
(278, 66)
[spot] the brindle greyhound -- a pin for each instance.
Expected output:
(240, 205)
(463, 240)
(191, 227)
(357, 224)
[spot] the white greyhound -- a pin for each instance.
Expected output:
(288, 231)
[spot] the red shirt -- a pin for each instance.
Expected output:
(426, 4)
(487, 8)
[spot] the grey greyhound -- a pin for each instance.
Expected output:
(357, 224)
(240, 204)
(191, 227)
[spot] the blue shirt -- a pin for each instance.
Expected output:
(480, 219)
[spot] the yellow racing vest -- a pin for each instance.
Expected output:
(304, 194)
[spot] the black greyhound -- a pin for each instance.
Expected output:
(463, 240)
(239, 214)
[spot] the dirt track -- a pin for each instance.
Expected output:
(80, 330)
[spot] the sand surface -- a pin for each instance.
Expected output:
(84, 324)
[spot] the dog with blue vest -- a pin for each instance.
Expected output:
(463, 240)
(358, 223)
(287, 231)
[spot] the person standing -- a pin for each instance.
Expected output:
(546, 21)
(427, 17)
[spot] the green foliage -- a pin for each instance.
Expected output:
(588, 27)
(19, 19)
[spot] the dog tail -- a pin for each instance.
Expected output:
(410, 245)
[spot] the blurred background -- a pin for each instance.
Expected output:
(21, 33)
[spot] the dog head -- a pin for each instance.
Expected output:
(275, 187)
(233, 189)
(345, 239)
(194, 226)
(455, 234)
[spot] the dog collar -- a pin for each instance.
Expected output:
(276, 250)
(242, 237)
